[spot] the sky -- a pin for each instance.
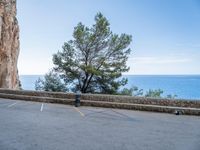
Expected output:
(166, 33)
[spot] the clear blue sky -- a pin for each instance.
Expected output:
(166, 33)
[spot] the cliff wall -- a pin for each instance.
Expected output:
(9, 45)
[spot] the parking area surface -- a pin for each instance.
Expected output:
(42, 126)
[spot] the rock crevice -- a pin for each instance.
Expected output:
(9, 45)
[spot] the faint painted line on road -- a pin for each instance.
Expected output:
(11, 105)
(41, 108)
(82, 114)
(119, 113)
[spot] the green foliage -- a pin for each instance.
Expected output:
(154, 93)
(159, 94)
(95, 57)
(133, 91)
(171, 96)
(51, 82)
(137, 91)
(126, 91)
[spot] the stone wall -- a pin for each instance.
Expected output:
(142, 100)
(109, 98)
(189, 107)
(9, 45)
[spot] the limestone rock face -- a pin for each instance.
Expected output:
(9, 45)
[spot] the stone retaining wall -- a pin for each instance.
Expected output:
(39, 93)
(189, 107)
(142, 100)
(109, 98)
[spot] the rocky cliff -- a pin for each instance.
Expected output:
(9, 45)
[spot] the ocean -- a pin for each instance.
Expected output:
(184, 86)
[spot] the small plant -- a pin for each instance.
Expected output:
(170, 96)
(133, 91)
(154, 93)
(51, 82)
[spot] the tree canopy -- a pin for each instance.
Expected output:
(94, 60)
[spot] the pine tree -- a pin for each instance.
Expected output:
(94, 60)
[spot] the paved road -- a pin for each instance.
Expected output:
(38, 126)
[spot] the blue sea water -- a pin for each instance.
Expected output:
(28, 81)
(184, 86)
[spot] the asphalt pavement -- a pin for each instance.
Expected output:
(43, 126)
